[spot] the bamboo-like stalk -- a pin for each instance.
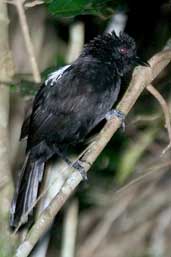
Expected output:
(6, 72)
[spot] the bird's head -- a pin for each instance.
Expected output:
(117, 51)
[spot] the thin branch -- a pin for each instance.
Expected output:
(28, 42)
(140, 79)
(166, 112)
(33, 4)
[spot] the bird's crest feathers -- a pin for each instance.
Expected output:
(107, 43)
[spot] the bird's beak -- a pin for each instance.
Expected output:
(138, 61)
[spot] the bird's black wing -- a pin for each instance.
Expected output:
(60, 109)
(66, 110)
(52, 78)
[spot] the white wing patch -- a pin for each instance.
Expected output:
(54, 76)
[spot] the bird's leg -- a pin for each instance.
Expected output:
(116, 113)
(77, 165)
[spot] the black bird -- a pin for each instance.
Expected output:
(70, 103)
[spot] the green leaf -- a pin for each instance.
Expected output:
(76, 7)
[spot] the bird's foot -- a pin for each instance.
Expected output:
(116, 113)
(78, 166)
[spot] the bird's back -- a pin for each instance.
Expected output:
(67, 110)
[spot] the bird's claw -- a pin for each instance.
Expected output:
(78, 166)
(116, 113)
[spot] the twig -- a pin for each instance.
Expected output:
(143, 119)
(166, 112)
(140, 79)
(33, 4)
(28, 42)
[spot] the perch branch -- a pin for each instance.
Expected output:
(28, 42)
(166, 112)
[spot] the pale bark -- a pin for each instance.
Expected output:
(6, 73)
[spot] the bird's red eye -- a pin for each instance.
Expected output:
(123, 50)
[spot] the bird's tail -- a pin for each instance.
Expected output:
(26, 192)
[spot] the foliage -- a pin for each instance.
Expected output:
(77, 7)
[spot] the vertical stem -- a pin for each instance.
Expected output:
(28, 42)
(6, 73)
(76, 41)
(70, 230)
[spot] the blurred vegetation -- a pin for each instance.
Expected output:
(77, 7)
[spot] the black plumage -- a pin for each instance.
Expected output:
(70, 103)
